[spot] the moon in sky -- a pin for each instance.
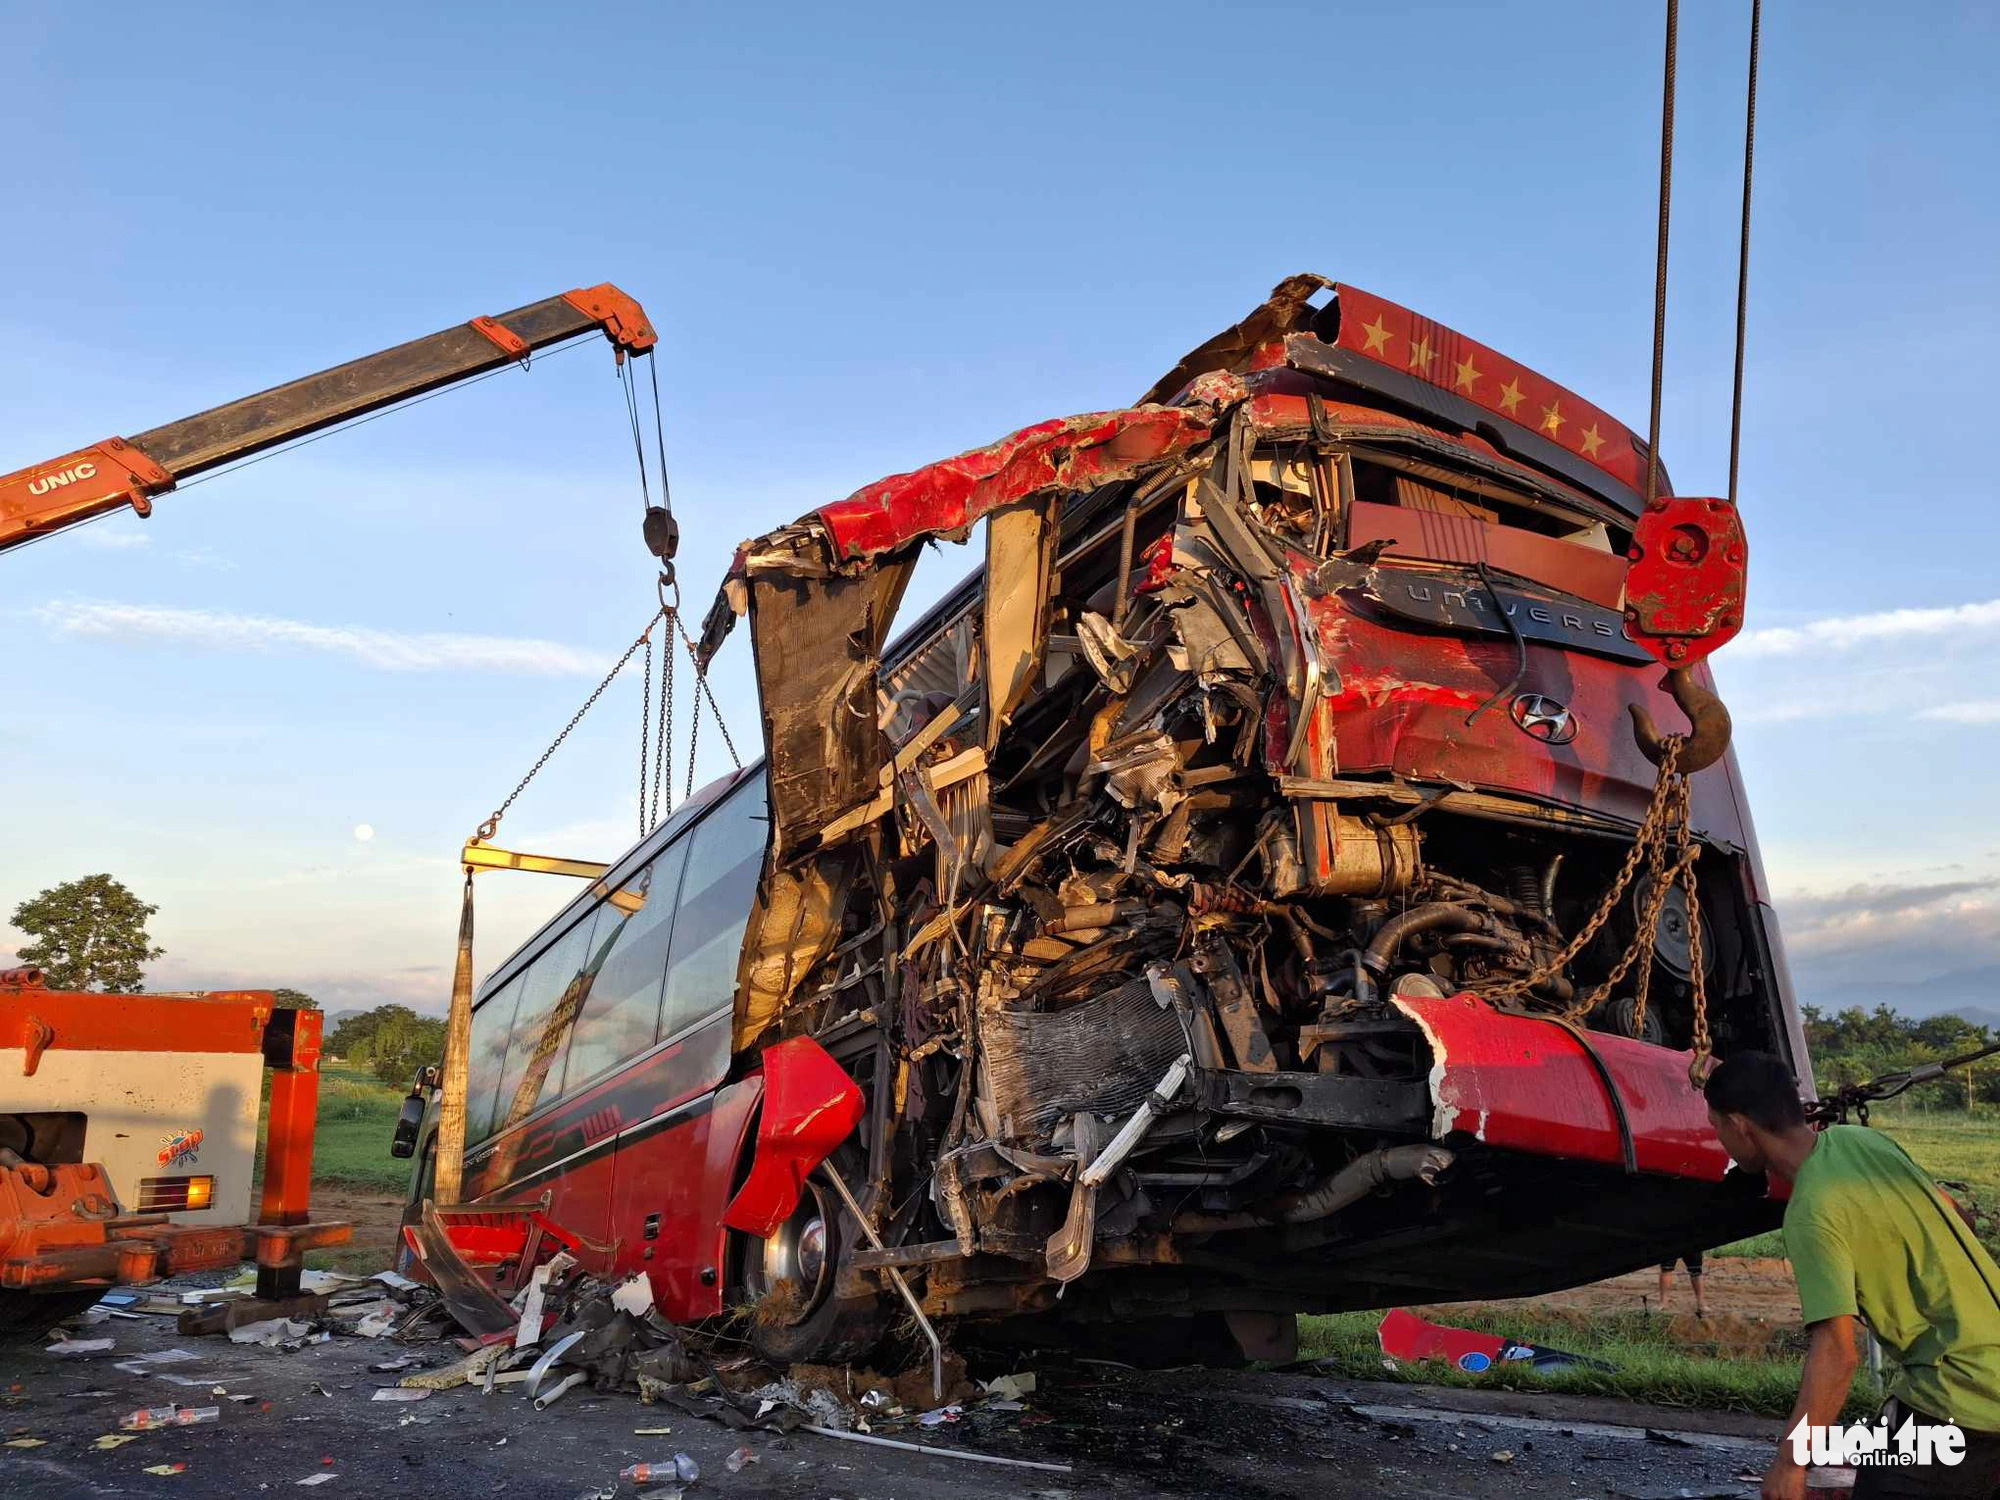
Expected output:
(363, 832)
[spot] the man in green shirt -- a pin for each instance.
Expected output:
(1870, 1236)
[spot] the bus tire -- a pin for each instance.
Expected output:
(792, 1278)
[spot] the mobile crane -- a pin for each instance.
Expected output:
(133, 1159)
(107, 476)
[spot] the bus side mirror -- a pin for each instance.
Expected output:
(408, 1123)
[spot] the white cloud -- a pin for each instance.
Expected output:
(1972, 711)
(111, 539)
(1840, 632)
(201, 557)
(388, 650)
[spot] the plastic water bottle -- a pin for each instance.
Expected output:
(680, 1468)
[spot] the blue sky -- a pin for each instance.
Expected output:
(872, 237)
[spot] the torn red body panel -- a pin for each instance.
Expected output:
(1405, 703)
(1065, 453)
(810, 1107)
(1524, 1083)
(1407, 1337)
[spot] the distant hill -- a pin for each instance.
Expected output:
(1972, 994)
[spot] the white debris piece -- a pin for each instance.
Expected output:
(634, 1295)
(272, 1332)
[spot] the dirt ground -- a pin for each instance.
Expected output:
(1759, 1289)
(374, 1217)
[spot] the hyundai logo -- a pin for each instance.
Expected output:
(1543, 718)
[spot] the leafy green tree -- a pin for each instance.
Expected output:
(1857, 1045)
(88, 934)
(392, 1041)
(294, 1000)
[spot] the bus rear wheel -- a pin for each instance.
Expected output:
(792, 1277)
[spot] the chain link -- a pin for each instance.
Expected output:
(1665, 845)
(645, 712)
(492, 824)
(701, 676)
(1649, 832)
(663, 736)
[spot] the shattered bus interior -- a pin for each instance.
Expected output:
(1208, 895)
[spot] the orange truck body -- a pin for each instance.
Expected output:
(131, 1140)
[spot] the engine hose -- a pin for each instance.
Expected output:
(1526, 884)
(1329, 1195)
(1390, 936)
(1478, 896)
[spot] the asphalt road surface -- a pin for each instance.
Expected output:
(1250, 1436)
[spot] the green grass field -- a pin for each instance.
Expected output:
(357, 1117)
(1951, 1147)
(1652, 1363)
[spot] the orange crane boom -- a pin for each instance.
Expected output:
(117, 472)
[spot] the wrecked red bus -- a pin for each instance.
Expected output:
(1217, 899)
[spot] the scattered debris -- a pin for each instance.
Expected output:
(634, 1295)
(1012, 1387)
(148, 1417)
(556, 1392)
(114, 1440)
(1405, 1336)
(401, 1393)
(27, 1442)
(741, 1459)
(322, 1477)
(680, 1468)
(967, 1455)
(166, 1469)
(278, 1333)
(161, 1357)
(79, 1346)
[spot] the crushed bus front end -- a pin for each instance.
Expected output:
(1206, 893)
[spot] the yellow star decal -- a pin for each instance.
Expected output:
(1552, 418)
(1466, 374)
(1378, 336)
(1510, 396)
(1420, 355)
(1592, 440)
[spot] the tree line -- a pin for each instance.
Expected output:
(1856, 1045)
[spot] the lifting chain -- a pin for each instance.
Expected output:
(663, 731)
(492, 824)
(1665, 844)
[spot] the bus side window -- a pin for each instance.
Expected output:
(492, 1026)
(553, 989)
(621, 1016)
(721, 883)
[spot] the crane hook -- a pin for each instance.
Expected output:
(1708, 736)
